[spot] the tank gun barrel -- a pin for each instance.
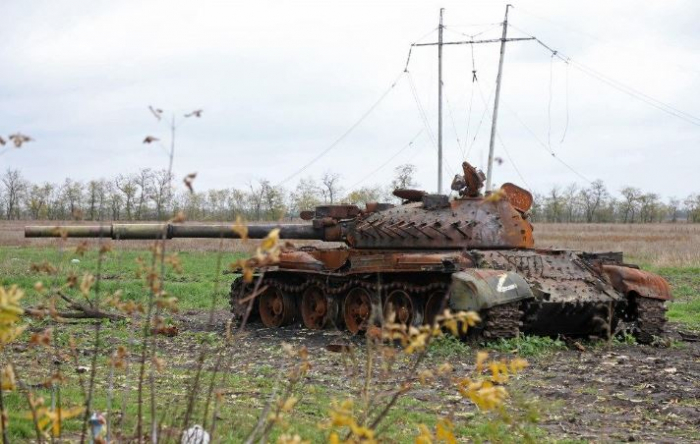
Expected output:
(171, 231)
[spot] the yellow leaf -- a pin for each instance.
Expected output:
(8, 378)
(424, 437)
(289, 404)
(333, 438)
(240, 228)
(270, 240)
(86, 284)
(443, 432)
(481, 358)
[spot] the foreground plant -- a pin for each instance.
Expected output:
(10, 316)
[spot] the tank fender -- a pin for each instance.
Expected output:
(643, 283)
(479, 289)
(299, 260)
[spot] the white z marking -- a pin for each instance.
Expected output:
(501, 282)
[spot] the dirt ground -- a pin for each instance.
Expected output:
(612, 392)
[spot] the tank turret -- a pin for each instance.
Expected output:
(423, 221)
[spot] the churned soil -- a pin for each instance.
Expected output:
(593, 392)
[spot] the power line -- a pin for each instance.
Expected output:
(471, 103)
(566, 125)
(421, 110)
(498, 136)
(393, 156)
(615, 84)
(454, 125)
(345, 134)
(544, 145)
(483, 116)
(549, 103)
(568, 28)
(512, 162)
(497, 25)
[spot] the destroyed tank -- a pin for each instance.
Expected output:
(412, 261)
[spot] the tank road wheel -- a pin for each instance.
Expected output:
(435, 305)
(406, 310)
(651, 318)
(239, 291)
(276, 308)
(359, 309)
(317, 309)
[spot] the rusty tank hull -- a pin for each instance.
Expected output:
(542, 292)
(410, 262)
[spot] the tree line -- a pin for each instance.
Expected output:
(153, 195)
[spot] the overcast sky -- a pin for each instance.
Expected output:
(279, 82)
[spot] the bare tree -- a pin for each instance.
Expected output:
(673, 206)
(404, 176)
(571, 201)
(14, 189)
(365, 195)
(331, 186)
(629, 205)
(143, 180)
(593, 198)
(306, 195)
(96, 195)
(72, 193)
(126, 184)
(554, 206)
(161, 189)
(255, 198)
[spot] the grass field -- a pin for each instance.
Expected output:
(254, 368)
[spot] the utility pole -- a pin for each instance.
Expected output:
(440, 43)
(440, 27)
(492, 142)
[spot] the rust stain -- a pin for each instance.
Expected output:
(627, 280)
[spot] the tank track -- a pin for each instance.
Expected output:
(350, 283)
(238, 291)
(503, 321)
(651, 319)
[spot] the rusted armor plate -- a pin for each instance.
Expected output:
(466, 223)
(556, 275)
(629, 280)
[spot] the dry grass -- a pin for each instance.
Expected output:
(660, 245)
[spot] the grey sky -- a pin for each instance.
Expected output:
(280, 81)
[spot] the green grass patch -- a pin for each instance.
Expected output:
(685, 285)
(448, 346)
(194, 287)
(527, 346)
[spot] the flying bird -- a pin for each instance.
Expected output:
(19, 139)
(150, 139)
(2, 142)
(195, 113)
(498, 160)
(188, 181)
(156, 112)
